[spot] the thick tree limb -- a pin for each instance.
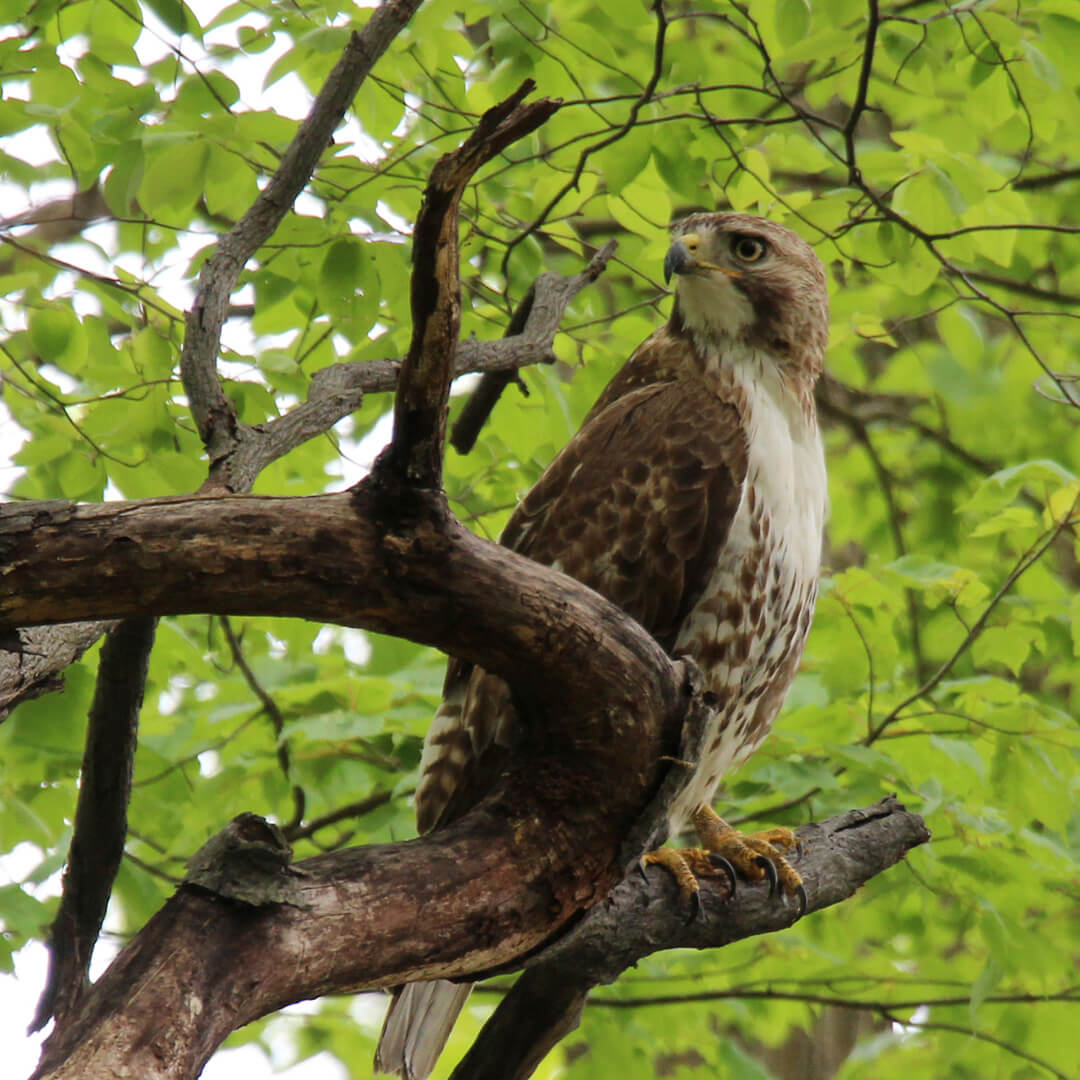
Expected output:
(643, 916)
(456, 903)
(401, 566)
(97, 844)
(476, 895)
(397, 562)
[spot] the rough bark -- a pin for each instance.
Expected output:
(32, 660)
(643, 916)
(379, 557)
(458, 903)
(477, 895)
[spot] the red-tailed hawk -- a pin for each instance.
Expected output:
(693, 497)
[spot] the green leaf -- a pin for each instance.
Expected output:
(1008, 645)
(174, 176)
(624, 159)
(58, 337)
(1002, 487)
(792, 21)
(961, 752)
(175, 14)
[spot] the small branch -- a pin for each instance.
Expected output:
(1026, 561)
(343, 813)
(631, 119)
(1051, 179)
(1024, 288)
(537, 317)
(415, 453)
(277, 721)
(97, 842)
(851, 406)
(858, 107)
(214, 415)
(736, 993)
(338, 390)
(641, 917)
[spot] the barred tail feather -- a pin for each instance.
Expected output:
(416, 1027)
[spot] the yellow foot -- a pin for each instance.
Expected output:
(686, 866)
(724, 851)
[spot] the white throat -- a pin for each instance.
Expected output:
(713, 309)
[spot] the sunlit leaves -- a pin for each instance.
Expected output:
(947, 468)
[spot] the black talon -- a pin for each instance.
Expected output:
(800, 894)
(696, 910)
(770, 872)
(641, 870)
(723, 864)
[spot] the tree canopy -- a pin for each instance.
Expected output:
(927, 151)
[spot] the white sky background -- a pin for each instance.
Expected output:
(289, 97)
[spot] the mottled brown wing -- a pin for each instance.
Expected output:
(639, 503)
(637, 506)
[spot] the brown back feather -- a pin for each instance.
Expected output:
(636, 506)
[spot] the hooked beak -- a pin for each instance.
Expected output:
(682, 259)
(677, 261)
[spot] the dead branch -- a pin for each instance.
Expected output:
(489, 889)
(538, 313)
(216, 419)
(32, 659)
(415, 453)
(643, 916)
(100, 829)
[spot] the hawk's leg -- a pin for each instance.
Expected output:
(724, 851)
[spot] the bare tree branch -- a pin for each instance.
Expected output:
(490, 888)
(97, 843)
(539, 313)
(216, 419)
(643, 916)
(415, 452)
(32, 659)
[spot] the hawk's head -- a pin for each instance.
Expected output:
(745, 280)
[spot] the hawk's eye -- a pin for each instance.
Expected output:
(748, 248)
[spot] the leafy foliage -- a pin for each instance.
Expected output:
(923, 149)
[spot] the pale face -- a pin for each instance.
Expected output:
(745, 279)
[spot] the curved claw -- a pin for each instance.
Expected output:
(696, 910)
(641, 870)
(800, 894)
(724, 864)
(770, 872)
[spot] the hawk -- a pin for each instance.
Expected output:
(694, 497)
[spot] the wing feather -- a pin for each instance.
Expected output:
(637, 506)
(645, 538)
